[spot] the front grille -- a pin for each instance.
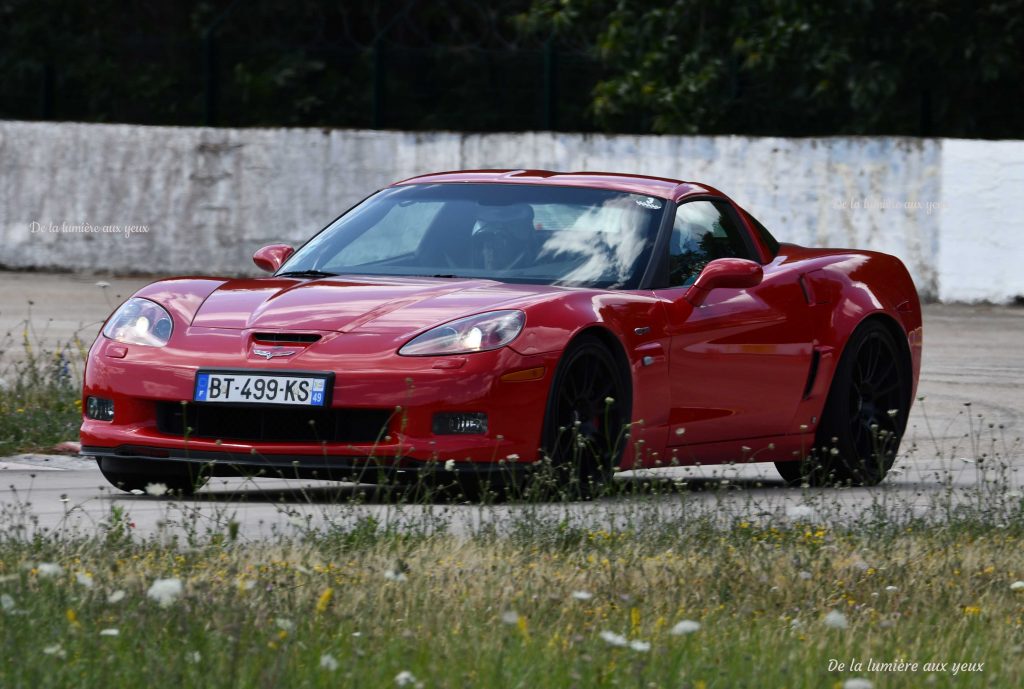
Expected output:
(272, 424)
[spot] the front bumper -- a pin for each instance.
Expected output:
(327, 467)
(368, 377)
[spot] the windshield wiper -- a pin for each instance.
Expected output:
(306, 274)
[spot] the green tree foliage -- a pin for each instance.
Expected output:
(411, 64)
(786, 67)
(777, 67)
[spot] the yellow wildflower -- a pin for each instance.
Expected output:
(324, 601)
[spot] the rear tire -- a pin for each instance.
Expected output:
(586, 421)
(864, 418)
(182, 478)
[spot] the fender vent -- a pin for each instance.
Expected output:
(286, 338)
(812, 374)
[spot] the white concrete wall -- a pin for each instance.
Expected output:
(209, 197)
(981, 249)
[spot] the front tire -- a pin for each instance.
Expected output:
(864, 418)
(130, 475)
(586, 421)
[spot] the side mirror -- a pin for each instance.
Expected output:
(732, 273)
(272, 256)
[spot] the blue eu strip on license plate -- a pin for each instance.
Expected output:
(256, 388)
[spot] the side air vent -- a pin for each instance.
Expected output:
(812, 374)
(286, 338)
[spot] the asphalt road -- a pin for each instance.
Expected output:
(971, 409)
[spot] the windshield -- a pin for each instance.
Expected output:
(508, 232)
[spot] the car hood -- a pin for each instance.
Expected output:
(371, 304)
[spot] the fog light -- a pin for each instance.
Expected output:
(453, 423)
(99, 409)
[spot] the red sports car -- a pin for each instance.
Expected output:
(482, 322)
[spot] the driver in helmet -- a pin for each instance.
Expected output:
(504, 237)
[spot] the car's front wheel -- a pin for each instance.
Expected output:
(865, 415)
(587, 419)
(144, 474)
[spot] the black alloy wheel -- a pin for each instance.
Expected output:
(587, 420)
(864, 417)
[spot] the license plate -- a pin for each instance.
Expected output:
(258, 388)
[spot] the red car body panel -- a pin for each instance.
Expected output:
(742, 377)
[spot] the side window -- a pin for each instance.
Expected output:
(766, 237)
(702, 232)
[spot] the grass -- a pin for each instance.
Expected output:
(530, 593)
(356, 608)
(40, 391)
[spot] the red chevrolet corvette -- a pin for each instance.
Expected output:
(488, 321)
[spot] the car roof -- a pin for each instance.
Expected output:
(662, 187)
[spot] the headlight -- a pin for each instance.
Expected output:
(140, 321)
(474, 334)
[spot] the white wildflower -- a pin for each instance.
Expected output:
(6, 602)
(613, 639)
(1017, 586)
(685, 627)
(156, 489)
(405, 679)
(84, 579)
(449, 465)
(796, 512)
(512, 457)
(195, 657)
(804, 574)
(116, 597)
(329, 662)
(640, 646)
(836, 620)
(891, 589)
(284, 624)
(165, 591)
(394, 575)
(582, 595)
(858, 683)
(110, 632)
(510, 617)
(49, 569)
(55, 650)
